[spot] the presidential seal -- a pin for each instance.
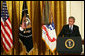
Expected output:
(69, 43)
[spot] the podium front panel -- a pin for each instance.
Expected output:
(64, 46)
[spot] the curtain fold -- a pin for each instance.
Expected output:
(35, 10)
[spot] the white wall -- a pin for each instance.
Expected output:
(76, 9)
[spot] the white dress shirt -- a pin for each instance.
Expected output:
(71, 27)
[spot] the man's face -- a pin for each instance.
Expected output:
(71, 21)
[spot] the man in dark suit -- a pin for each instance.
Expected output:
(70, 30)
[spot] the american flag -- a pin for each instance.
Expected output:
(6, 29)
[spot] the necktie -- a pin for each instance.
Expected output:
(70, 29)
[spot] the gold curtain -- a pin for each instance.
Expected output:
(35, 13)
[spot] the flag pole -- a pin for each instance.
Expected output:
(51, 15)
(24, 16)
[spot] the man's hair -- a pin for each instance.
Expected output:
(71, 17)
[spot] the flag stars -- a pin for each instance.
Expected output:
(6, 14)
(27, 14)
(6, 17)
(3, 8)
(3, 11)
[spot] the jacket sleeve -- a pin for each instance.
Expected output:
(77, 32)
(61, 33)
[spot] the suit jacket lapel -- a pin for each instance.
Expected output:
(73, 28)
(68, 31)
(68, 27)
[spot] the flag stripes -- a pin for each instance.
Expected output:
(6, 29)
(7, 39)
(49, 38)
